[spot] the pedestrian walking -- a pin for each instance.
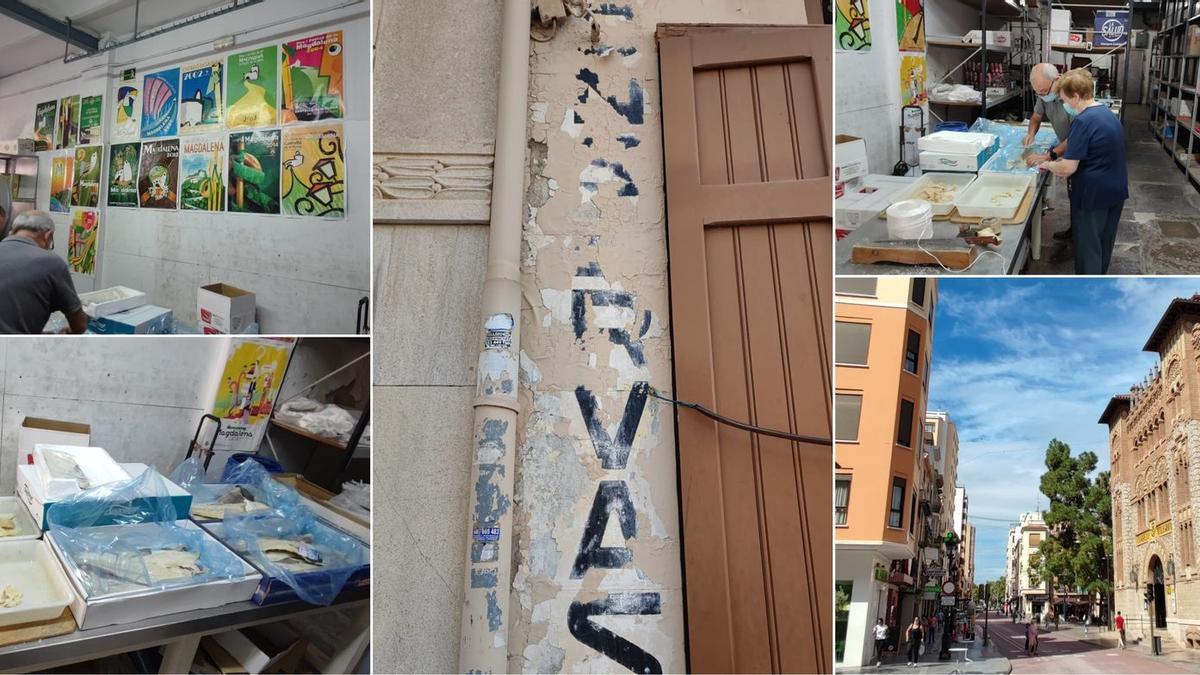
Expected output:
(933, 624)
(914, 635)
(1031, 638)
(881, 636)
(1087, 622)
(1120, 621)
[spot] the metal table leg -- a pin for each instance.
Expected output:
(178, 655)
(1035, 248)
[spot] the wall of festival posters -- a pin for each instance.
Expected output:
(126, 114)
(254, 171)
(312, 79)
(201, 107)
(123, 166)
(314, 171)
(62, 173)
(81, 243)
(158, 177)
(44, 118)
(91, 118)
(246, 390)
(85, 189)
(66, 130)
(252, 88)
(202, 174)
(160, 104)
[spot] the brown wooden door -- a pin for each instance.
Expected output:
(746, 117)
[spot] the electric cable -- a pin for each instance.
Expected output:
(754, 429)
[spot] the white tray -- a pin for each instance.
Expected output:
(977, 200)
(32, 569)
(27, 530)
(957, 181)
(101, 303)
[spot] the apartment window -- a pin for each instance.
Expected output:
(851, 342)
(855, 286)
(841, 499)
(904, 435)
(912, 351)
(896, 509)
(848, 408)
(1035, 540)
(918, 291)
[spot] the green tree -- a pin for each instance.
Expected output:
(1079, 547)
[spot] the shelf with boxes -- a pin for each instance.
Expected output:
(1175, 85)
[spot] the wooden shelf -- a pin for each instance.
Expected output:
(1098, 51)
(300, 431)
(991, 103)
(964, 45)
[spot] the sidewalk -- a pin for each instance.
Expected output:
(980, 660)
(1097, 635)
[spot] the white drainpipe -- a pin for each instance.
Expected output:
(488, 573)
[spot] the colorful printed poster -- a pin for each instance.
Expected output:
(126, 125)
(912, 79)
(202, 174)
(91, 116)
(62, 172)
(43, 125)
(66, 131)
(160, 104)
(910, 25)
(253, 80)
(254, 171)
(85, 190)
(312, 79)
(852, 25)
(247, 389)
(159, 175)
(81, 245)
(123, 174)
(201, 108)
(314, 171)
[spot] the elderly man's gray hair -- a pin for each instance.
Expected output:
(1046, 70)
(33, 221)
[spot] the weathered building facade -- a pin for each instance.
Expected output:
(1154, 440)
(583, 490)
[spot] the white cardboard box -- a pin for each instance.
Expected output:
(868, 200)
(31, 494)
(948, 161)
(98, 304)
(1060, 26)
(144, 320)
(995, 38)
(36, 430)
(850, 158)
(134, 606)
(224, 309)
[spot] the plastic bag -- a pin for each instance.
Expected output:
(288, 542)
(122, 537)
(329, 421)
(189, 472)
(355, 497)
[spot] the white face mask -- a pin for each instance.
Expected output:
(1049, 98)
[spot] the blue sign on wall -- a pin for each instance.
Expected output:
(1112, 28)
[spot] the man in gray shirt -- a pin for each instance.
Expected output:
(34, 282)
(1049, 106)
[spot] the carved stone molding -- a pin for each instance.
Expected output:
(427, 187)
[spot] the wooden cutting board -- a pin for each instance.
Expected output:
(28, 632)
(953, 253)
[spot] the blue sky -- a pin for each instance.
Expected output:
(1017, 362)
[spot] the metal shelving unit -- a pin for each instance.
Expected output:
(1175, 74)
(19, 170)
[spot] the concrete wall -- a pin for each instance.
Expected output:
(308, 273)
(433, 105)
(141, 397)
(867, 86)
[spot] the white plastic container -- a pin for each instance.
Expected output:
(994, 196)
(956, 142)
(31, 568)
(98, 304)
(27, 530)
(955, 183)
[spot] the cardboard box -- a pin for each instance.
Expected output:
(31, 493)
(144, 320)
(101, 303)
(850, 158)
(128, 607)
(39, 431)
(1060, 26)
(995, 38)
(224, 309)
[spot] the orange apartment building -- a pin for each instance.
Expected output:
(885, 486)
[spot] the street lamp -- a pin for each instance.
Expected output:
(951, 542)
(987, 596)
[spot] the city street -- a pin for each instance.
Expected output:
(1065, 651)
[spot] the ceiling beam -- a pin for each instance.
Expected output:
(19, 11)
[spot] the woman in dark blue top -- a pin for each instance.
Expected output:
(1095, 163)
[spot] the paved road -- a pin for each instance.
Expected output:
(1064, 652)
